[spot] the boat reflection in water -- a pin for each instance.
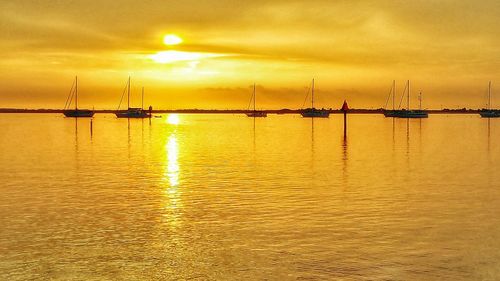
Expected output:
(196, 202)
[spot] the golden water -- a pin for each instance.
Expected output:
(226, 197)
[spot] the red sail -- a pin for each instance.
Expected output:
(345, 107)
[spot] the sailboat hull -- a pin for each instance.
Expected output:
(389, 113)
(315, 113)
(133, 113)
(79, 113)
(490, 113)
(406, 113)
(257, 114)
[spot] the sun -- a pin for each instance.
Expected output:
(172, 39)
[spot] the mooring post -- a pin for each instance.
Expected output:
(344, 109)
(91, 127)
(345, 123)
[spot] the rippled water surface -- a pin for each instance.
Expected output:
(226, 197)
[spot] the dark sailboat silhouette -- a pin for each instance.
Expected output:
(313, 112)
(392, 93)
(75, 112)
(489, 113)
(133, 112)
(255, 113)
(408, 113)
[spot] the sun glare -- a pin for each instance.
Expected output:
(175, 56)
(173, 119)
(172, 39)
(179, 56)
(173, 164)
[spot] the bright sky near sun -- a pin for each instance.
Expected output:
(172, 39)
(207, 54)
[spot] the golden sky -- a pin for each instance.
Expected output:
(354, 49)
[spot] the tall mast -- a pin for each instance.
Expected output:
(312, 95)
(142, 105)
(128, 94)
(489, 95)
(393, 93)
(76, 93)
(254, 97)
(420, 100)
(408, 101)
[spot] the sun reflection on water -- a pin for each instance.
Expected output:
(172, 192)
(172, 161)
(173, 119)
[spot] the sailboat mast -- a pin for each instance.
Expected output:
(408, 101)
(312, 94)
(128, 94)
(393, 93)
(489, 95)
(76, 93)
(420, 100)
(142, 104)
(254, 97)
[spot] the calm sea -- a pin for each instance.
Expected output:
(226, 197)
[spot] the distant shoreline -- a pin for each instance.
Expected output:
(241, 111)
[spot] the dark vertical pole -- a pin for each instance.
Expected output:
(489, 95)
(408, 101)
(344, 109)
(76, 93)
(312, 95)
(420, 101)
(393, 93)
(254, 98)
(345, 123)
(128, 94)
(91, 128)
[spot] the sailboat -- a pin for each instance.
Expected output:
(255, 113)
(75, 112)
(133, 112)
(313, 112)
(489, 113)
(409, 113)
(392, 92)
